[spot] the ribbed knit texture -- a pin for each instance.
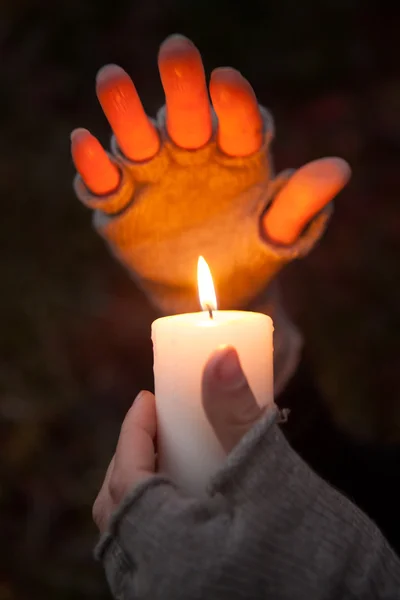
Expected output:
(269, 529)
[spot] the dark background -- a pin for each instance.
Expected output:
(74, 334)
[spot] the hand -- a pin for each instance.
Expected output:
(134, 459)
(189, 125)
(230, 408)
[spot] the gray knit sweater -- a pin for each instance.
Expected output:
(269, 527)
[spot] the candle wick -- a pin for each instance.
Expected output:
(210, 311)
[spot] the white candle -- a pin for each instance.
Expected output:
(188, 449)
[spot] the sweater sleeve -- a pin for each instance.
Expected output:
(268, 528)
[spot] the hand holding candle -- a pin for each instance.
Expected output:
(188, 449)
(231, 410)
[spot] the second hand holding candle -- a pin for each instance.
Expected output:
(188, 450)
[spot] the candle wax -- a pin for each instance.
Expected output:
(188, 449)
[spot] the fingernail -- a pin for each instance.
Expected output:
(176, 40)
(139, 396)
(111, 71)
(343, 168)
(228, 369)
(79, 132)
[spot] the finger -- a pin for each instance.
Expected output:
(103, 505)
(240, 126)
(135, 453)
(310, 189)
(104, 487)
(91, 161)
(228, 401)
(136, 135)
(188, 109)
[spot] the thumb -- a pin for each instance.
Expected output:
(228, 401)
(306, 193)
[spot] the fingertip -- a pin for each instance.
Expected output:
(225, 71)
(144, 397)
(343, 168)
(98, 172)
(227, 366)
(340, 163)
(217, 356)
(331, 168)
(228, 86)
(228, 75)
(143, 410)
(179, 58)
(176, 43)
(109, 72)
(223, 369)
(81, 140)
(78, 134)
(307, 192)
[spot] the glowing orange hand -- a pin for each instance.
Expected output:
(189, 125)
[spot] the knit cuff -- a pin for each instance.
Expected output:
(118, 558)
(157, 520)
(261, 458)
(149, 500)
(144, 549)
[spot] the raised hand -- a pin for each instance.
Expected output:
(192, 170)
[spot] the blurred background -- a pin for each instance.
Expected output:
(74, 337)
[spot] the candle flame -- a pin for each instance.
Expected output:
(208, 299)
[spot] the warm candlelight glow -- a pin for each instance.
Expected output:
(188, 449)
(208, 299)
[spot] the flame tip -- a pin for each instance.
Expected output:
(208, 300)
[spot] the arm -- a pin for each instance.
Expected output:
(270, 528)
